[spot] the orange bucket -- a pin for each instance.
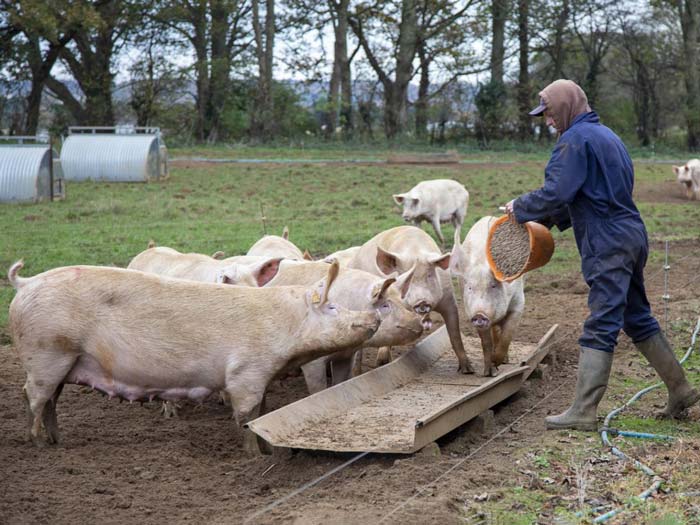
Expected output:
(541, 248)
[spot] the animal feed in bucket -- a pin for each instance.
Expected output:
(510, 248)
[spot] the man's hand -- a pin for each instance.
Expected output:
(510, 212)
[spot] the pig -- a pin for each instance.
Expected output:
(197, 267)
(356, 290)
(689, 176)
(494, 308)
(408, 248)
(139, 336)
(343, 256)
(437, 201)
(275, 246)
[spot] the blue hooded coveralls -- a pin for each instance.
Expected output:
(588, 185)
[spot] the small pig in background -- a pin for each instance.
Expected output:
(437, 201)
(494, 308)
(689, 176)
(276, 246)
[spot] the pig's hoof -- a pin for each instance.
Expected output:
(490, 371)
(465, 368)
(169, 409)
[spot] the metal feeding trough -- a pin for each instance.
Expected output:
(403, 406)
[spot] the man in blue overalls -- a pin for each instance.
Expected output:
(588, 185)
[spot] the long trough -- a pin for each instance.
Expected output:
(403, 406)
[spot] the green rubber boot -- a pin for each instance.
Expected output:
(593, 373)
(681, 395)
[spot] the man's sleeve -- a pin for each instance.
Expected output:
(563, 177)
(560, 218)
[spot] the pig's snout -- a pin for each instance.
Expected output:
(422, 308)
(480, 321)
(427, 323)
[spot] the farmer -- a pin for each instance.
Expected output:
(588, 185)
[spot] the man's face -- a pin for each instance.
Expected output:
(548, 119)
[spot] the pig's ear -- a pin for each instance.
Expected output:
(686, 168)
(333, 270)
(458, 258)
(403, 283)
(380, 289)
(263, 272)
(307, 256)
(285, 233)
(151, 244)
(675, 169)
(229, 275)
(387, 262)
(399, 198)
(218, 255)
(443, 261)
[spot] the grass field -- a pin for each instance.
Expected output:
(206, 207)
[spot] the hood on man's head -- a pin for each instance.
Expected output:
(564, 100)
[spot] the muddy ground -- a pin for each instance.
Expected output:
(121, 463)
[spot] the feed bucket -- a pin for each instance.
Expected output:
(541, 248)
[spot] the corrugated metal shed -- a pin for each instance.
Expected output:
(114, 154)
(25, 172)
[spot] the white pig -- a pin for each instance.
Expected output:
(493, 307)
(198, 267)
(343, 256)
(689, 176)
(356, 290)
(437, 201)
(275, 246)
(139, 336)
(407, 248)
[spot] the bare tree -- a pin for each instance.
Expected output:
(262, 122)
(524, 90)
(403, 22)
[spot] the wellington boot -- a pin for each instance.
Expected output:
(681, 395)
(593, 373)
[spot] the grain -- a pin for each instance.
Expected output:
(510, 248)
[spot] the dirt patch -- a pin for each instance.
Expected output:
(121, 462)
(665, 191)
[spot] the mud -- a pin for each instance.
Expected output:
(119, 463)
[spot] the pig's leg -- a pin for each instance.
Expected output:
(42, 387)
(487, 347)
(357, 363)
(315, 375)
(49, 418)
(383, 356)
(447, 308)
(436, 226)
(508, 325)
(341, 369)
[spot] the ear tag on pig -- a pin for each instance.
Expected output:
(315, 298)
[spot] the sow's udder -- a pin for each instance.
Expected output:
(87, 371)
(510, 248)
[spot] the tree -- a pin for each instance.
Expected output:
(402, 28)
(523, 89)
(262, 124)
(592, 21)
(689, 13)
(89, 56)
(445, 44)
(216, 30)
(34, 36)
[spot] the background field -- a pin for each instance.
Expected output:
(205, 207)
